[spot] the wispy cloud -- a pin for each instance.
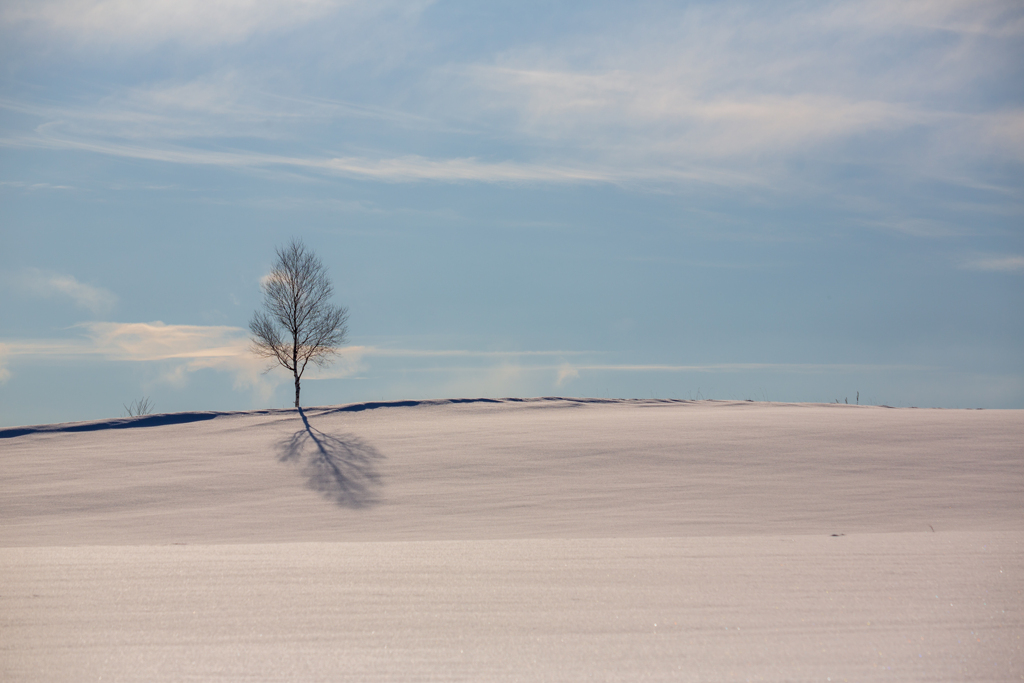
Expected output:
(5, 374)
(157, 341)
(995, 263)
(24, 185)
(177, 351)
(409, 168)
(44, 283)
(149, 22)
(922, 227)
(460, 353)
(965, 17)
(736, 87)
(566, 373)
(513, 376)
(568, 370)
(353, 359)
(184, 349)
(632, 112)
(140, 342)
(227, 103)
(731, 94)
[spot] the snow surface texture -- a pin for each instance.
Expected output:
(542, 539)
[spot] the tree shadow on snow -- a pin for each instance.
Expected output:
(341, 468)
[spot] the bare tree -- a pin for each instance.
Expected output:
(298, 325)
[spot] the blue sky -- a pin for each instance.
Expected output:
(785, 201)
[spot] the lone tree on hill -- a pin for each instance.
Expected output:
(298, 324)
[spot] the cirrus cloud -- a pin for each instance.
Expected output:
(996, 263)
(48, 284)
(147, 22)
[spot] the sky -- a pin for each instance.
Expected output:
(783, 201)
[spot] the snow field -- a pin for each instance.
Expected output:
(518, 540)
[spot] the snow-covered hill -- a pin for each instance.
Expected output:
(517, 539)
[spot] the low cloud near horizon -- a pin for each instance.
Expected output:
(184, 349)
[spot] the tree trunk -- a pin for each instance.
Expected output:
(295, 362)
